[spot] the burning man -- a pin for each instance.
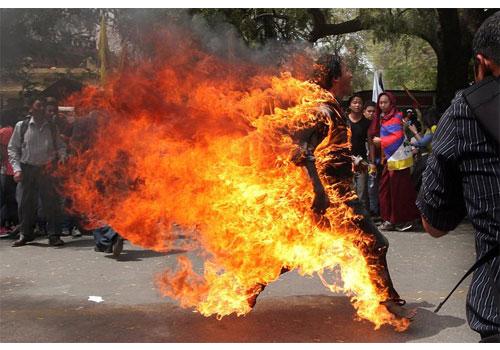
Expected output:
(323, 149)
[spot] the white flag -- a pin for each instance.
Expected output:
(378, 85)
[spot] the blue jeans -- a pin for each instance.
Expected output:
(104, 238)
(373, 191)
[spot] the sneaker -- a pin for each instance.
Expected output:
(14, 233)
(107, 250)
(4, 232)
(404, 227)
(22, 241)
(117, 247)
(65, 232)
(76, 233)
(56, 241)
(387, 226)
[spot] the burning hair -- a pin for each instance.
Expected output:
(327, 67)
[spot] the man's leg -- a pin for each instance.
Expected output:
(10, 199)
(103, 239)
(373, 191)
(28, 203)
(362, 188)
(255, 291)
(377, 256)
(51, 204)
(358, 180)
(379, 247)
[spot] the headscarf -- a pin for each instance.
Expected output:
(389, 126)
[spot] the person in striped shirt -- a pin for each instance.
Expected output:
(34, 148)
(462, 177)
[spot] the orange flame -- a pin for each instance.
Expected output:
(193, 140)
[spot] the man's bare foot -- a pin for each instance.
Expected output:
(396, 308)
(254, 293)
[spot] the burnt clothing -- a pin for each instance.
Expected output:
(359, 136)
(463, 177)
(326, 141)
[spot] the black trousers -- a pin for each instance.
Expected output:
(38, 183)
(8, 204)
(377, 252)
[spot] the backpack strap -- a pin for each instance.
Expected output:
(24, 128)
(483, 98)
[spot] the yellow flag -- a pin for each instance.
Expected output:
(103, 54)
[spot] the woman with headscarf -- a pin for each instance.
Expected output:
(396, 193)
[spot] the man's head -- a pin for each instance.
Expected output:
(37, 107)
(356, 103)
(333, 75)
(369, 109)
(51, 106)
(486, 47)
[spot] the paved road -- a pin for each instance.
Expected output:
(44, 298)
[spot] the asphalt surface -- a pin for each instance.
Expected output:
(44, 294)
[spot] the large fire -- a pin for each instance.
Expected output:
(203, 142)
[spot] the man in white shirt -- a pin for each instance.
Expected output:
(34, 149)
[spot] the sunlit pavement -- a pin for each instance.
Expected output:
(44, 294)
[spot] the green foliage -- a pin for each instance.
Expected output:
(408, 61)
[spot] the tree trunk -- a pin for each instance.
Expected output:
(453, 55)
(451, 76)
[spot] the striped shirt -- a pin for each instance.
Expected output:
(463, 178)
(37, 148)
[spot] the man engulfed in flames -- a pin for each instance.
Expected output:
(323, 148)
(196, 141)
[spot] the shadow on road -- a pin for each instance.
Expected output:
(138, 255)
(290, 319)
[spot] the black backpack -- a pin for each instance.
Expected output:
(483, 98)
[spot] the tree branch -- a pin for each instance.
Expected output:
(322, 29)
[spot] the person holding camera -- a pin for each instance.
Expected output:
(463, 178)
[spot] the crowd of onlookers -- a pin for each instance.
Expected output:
(389, 150)
(32, 148)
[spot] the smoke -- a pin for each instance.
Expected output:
(157, 35)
